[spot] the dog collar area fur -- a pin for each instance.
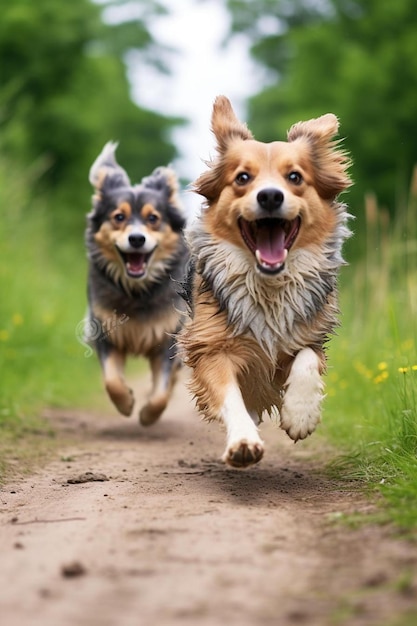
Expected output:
(279, 310)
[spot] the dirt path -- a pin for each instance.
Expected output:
(174, 537)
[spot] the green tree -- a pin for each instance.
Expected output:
(64, 91)
(356, 58)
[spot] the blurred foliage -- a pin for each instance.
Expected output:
(356, 58)
(64, 93)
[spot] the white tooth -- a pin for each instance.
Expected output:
(264, 264)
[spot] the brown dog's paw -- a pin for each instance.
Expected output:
(243, 454)
(152, 411)
(122, 399)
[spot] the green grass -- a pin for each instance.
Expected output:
(42, 282)
(371, 408)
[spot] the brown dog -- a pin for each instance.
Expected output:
(266, 250)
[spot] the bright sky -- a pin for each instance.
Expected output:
(201, 70)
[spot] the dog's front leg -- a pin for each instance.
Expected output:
(218, 395)
(301, 407)
(164, 367)
(244, 446)
(112, 363)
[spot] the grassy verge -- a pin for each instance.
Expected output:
(371, 409)
(42, 282)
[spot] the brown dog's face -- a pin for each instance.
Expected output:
(134, 229)
(270, 198)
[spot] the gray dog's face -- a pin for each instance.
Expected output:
(133, 228)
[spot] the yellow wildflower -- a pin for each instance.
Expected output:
(4, 335)
(381, 377)
(362, 369)
(17, 319)
(408, 344)
(333, 376)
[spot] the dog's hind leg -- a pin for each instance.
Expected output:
(301, 407)
(112, 362)
(164, 367)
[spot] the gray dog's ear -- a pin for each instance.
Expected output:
(164, 180)
(106, 168)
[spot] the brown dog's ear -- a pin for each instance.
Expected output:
(105, 169)
(322, 128)
(330, 163)
(226, 127)
(225, 124)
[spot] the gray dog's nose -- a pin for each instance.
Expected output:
(137, 240)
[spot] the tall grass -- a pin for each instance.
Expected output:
(42, 286)
(371, 409)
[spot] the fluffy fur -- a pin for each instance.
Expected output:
(137, 256)
(266, 251)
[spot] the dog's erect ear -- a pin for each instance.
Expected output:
(225, 124)
(321, 129)
(226, 128)
(106, 169)
(165, 181)
(329, 161)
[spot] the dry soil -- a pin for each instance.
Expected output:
(134, 527)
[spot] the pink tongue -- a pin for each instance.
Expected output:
(135, 262)
(270, 242)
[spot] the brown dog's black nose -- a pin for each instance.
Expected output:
(137, 240)
(270, 199)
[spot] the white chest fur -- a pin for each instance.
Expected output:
(280, 312)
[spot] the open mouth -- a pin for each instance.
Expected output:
(269, 239)
(135, 263)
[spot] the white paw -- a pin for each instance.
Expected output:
(244, 446)
(301, 408)
(243, 453)
(299, 421)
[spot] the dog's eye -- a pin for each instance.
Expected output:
(153, 219)
(119, 217)
(243, 178)
(295, 178)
